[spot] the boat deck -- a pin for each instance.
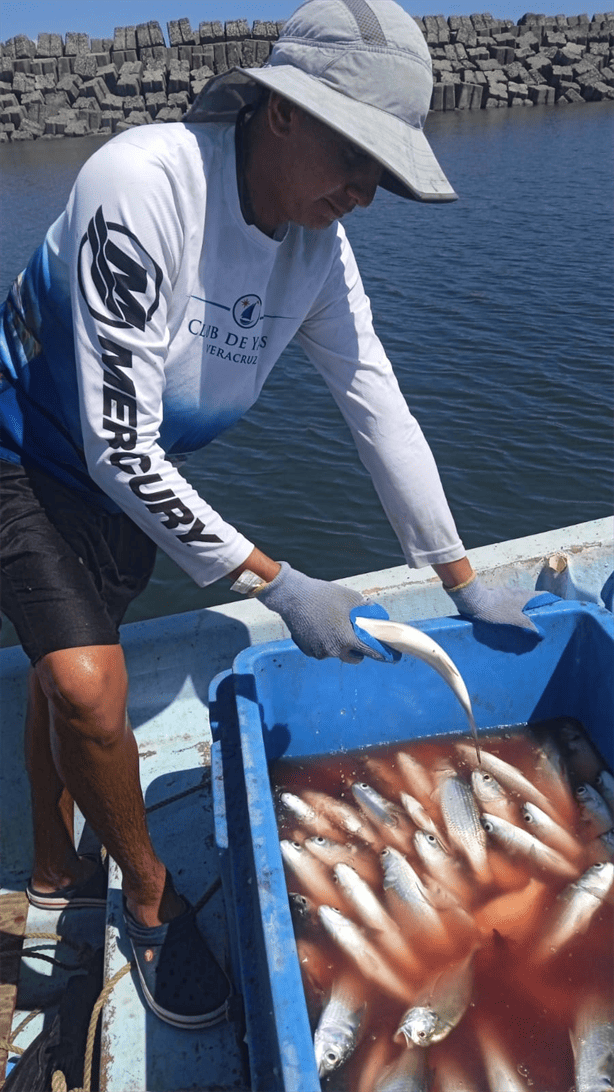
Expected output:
(171, 662)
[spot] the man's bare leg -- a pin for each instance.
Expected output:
(95, 758)
(56, 863)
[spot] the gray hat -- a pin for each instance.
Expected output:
(364, 69)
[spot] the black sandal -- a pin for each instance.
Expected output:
(182, 982)
(90, 894)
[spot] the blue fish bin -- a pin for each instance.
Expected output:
(277, 703)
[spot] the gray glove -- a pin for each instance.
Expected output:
(501, 606)
(317, 613)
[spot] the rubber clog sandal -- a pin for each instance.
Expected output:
(90, 894)
(181, 980)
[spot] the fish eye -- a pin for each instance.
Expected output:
(486, 777)
(431, 839)
(319, 840)
(600, 866)
(528, 818)
(362, 785)
(297, 845)
(488, 827)
(331, 1057)
(581, 791)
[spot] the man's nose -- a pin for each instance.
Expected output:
(362, 188)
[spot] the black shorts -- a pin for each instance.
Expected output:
(69, 570)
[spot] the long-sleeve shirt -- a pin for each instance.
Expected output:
(147, 323)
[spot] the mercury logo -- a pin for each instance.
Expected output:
(246, 311)
(119, 281)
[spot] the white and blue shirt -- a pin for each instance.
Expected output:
(147, 323)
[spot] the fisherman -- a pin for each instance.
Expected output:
(187, 258)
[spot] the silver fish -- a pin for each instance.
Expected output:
(551, 772)
(331, 853)
(440, 1006)
(492, 797)
(607, 841)
(462, 821)
(390, 820)
(604, 783)
(501, 1071)
(536, 856)
(417, 779)
(406, 1074)
(311, 873)
(509, 777)
(574, 909)
(369, 960)
(595, 815)
(414, 642)
(306, 815)
(340, 1024)
(592, 1042)
(583, 760)
(442, 866)
(551, 833)
(419, 815)
(343, 816)
(373, 915)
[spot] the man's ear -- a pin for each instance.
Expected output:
(281, 114)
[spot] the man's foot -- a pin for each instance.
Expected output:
(85, 891)
(182, 982)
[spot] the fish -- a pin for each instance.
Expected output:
(605, 844)
(462, 822)
(311, 873)
(369, 960)
(551, 772)
(537, 857)
(440, 1006)
(509, 777)
(306, 815)
(417, 779)
(341, 1022)
(574, 909)
(551, 833)
(373, 915)
(592, 1042)
(408, 1073)
(583, 760)
(345, 817)
(604, 783)
(442, 866)
(501, 1070)
(492, 797)
(414, 642)
(390, 820)
(359, 857)
(595, 815)
(419, 815)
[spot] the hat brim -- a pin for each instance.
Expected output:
(410, 167)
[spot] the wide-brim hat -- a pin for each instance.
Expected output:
(363, 68)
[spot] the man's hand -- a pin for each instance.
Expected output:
(317, 613)
(501, 606)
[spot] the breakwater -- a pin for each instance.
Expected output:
(76, 85)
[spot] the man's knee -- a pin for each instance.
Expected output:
(87, 689)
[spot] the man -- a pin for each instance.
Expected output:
(187, 258)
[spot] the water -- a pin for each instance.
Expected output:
(531, 979)
(496, 313)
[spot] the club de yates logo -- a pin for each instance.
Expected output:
(246, 311)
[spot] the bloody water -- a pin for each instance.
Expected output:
(524, 1003)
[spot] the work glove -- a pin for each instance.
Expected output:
(500, 606)
(317, 613)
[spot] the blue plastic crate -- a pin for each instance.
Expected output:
(277, 702)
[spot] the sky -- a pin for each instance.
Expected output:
(99, 19)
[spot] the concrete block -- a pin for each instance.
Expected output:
(210, 32)
(143, 37)
(198, 81)
(76, 44)
(235, 30)
(264, 29)
(119, 39)
(24, 66)
(529, 40)
(178, 81)
(554, 38)
(138, 117)
(85, 66)
(153, 82)
(156, 36)
(248, 53)
(234, 56)
(25, 48)
(464, 95)
(571, 96)
(155, 56)
(502, 54)
(174, 33)
(220, 60)
(188, 36)
(128, 85)
(132, 103)
(53, 45)
(263, 50)
(154, 102)
(171, 113)
(23, 82)
(542, 95)
(109, 74)
(185, 54)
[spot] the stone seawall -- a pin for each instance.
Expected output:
(77, 85)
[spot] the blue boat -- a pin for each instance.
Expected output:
(183, 702)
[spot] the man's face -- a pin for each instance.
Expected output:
(324, 176)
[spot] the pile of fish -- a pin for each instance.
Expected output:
(453, 913)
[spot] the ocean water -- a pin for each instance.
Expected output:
(497, 313)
